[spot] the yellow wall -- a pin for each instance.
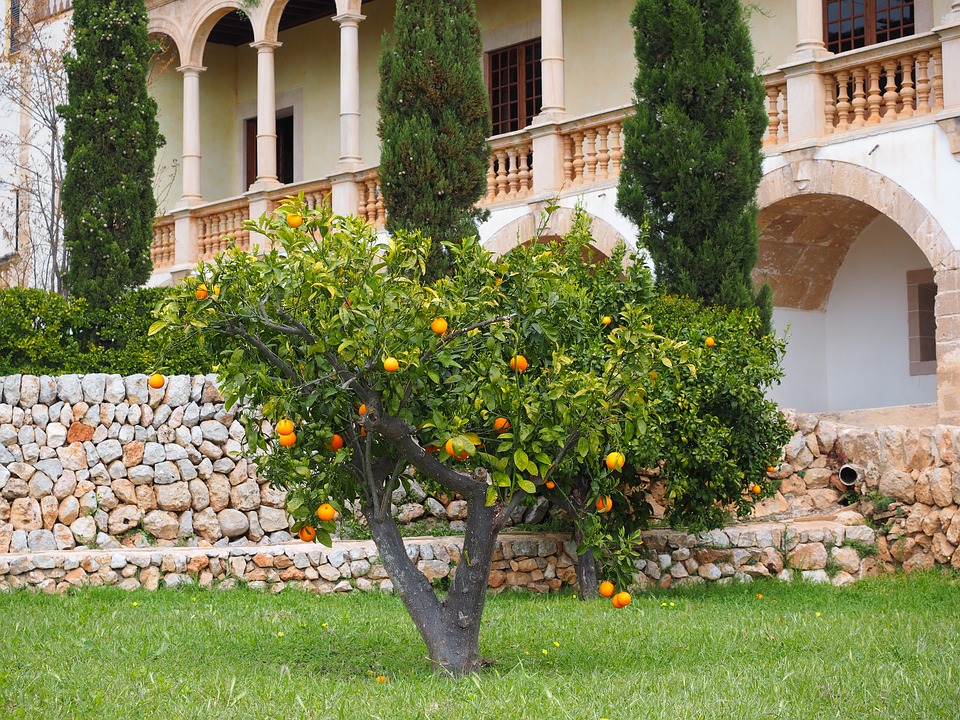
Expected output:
(218, 129)
(166, 87)
(773, 27)
(599, 59)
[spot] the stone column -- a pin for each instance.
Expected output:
(344, 195)
(266, 116)
(191, 136)
(809, 30)
(551, 39)
(948, 343)
(949, 32)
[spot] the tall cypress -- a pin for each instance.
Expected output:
(434, 121)
(692, 153)
(110, 143)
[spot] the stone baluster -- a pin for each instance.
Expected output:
(491, 179)
(603, 156)
(513, 177)
(890, 95)
(590, 153)
(501, 174)
(524, 173)
(362, 199)
(372, 201)
(829, 103)
(923, 83)
(859, 98)
(578, 162)
(616, 149)
(937, 88)
(907, 93)
(773, 114)
(381, 209)
(567, 160)
(874, 98)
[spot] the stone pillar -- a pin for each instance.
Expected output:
(551, 38)
(806, 97)
(266, 116)
(548, 150)
(809, 30)
(350, 157)
(186, 230)
(949, 32)
(948, 343)
(191, 136)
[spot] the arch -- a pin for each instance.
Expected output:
(201, 28)
(605, 236)
(167, 28)
(268, 25)
(812, 177)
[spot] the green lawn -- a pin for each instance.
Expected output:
(885, 648)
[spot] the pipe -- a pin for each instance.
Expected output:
(849, 475)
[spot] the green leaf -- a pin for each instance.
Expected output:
(527, 486)
(491, 495)
(520, 460)
(156, 327)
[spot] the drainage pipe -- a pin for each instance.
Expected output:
(849, 475)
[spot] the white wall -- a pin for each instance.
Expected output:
(867, 336)
(804, 385)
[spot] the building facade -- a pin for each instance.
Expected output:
(859, 211)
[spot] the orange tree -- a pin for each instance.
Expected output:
(500, 382)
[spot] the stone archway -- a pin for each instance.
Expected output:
(521, 230)
(811, 211)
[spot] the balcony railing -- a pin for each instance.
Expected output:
(870, 86)
(592, 148)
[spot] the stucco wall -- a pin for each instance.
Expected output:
(805, 364)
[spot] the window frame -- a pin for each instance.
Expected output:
(921, 315)
(524, 116)
(870, 25)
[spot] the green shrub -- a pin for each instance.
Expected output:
(43, 333)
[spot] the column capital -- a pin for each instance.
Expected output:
(191, 69)
(348, 19)
(265, 45)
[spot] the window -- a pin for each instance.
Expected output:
(284, 148)
(516, 88)
(850, 24)
(922, 321)
(14, 33)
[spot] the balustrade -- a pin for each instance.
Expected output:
(220, 227)
(510, 170)
(163, 247)
(370, 203)
(592, 151)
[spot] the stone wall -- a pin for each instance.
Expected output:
(541, 563)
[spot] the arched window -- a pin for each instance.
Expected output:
(851, 24)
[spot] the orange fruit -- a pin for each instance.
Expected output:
(431, 448)
(550, 484)
(449, 448)
(156, 381)
(294, 220)
(391, 364)
(501, 424)
(288, 440)
(201, 293)
(615, 461)
(326, 512)
(336, 442)
(615, 601)
(771, 469)
(710, 342)
(756, 489)
(284, 427)
(607, 588)
(604, 504)
(439, 326)
(622, 599)
(519, 363)
(308, 533)
(363, 409)
(607, 320)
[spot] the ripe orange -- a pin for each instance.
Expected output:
(308, 533)
(439, 326)
(756, 489)
(284, 427)
(710, 342)
(363, 409)
(156, 381)
(519, 363)
(501, 424)
(550, 484)
(391, 364)
(201, 293)
(607, 320)
(622, 599)
(449, 448)
(604, 504)
(326, 512)
(615, 601)
(288, 440)
(294, 221)
(771, 469)
(431, 448)
(607, 588)
(615, 461)
(336, 442)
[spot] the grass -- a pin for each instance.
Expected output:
(880, 649)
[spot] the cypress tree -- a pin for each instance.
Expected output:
(110, 143)
(692, 153)
(434, 121)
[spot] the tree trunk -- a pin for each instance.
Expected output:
(587, 575)
(449, 627)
